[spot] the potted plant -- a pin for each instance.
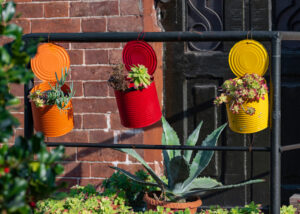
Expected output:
(246, 100)
(52, 107)
(183, 185)
(136, 96)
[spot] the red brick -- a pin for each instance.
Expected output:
(96, 57)
(4, 40)
(95, 182)
(115, 122)
(30, 10)
(94, 154)
(132, 168)
(73, 169)
(19, 132)
(56, 9)
(130, 7)
(125, 24)
(115, 56)
(94, 105)
(73, 136)
(22, 1)
(65, 45)
(77, 121)
(17, 89)
(78, 88)
(20, 117)
(101, 170)
(131, 138)
(93, 25)
(98, 89)
(69, 182)
(94, 121)
(100, 136)
(55, 26)
(94, 45)
(104, 8)
(111, 92)
(19, 107)
(76, 57)
(70, 153)
(24, 23)
(91, 72)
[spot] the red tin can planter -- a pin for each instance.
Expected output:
(138, 108)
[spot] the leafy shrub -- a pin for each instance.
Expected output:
(27, 169)
(83, 200)
(288, 209)
(132, 192)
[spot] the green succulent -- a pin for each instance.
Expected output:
(182, 171)
(55, 96)
(139, 76)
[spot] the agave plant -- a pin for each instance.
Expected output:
(182, 171)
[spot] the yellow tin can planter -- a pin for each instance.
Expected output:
(244, 123)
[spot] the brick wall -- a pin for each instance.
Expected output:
(95, 110)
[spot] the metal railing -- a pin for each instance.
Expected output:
(273, 36)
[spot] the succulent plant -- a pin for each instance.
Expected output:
(236, 92)
(55, 96)
(139, 76)
(117, 78)
(182, 171)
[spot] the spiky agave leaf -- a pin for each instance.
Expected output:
(180, 171)
(171, 138)
(166, 159)
(191, 141)
(199, 191)
(135, 155)
(133, 177)
(202, 158)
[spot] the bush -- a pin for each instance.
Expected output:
(27, 169)
(132, 192)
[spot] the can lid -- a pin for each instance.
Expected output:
(248, 56)
(50, 59)
(139, 53)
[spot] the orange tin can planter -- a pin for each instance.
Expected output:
(50, 120)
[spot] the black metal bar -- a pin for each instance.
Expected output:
(28, 121)
(276, 126)
(151, 36)
(290, 35)
(164, 147)
(289, 147)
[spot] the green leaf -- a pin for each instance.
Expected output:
(133, 177)
(179, 171)
(191, 141)
(203, 157)
(13, 31)
(8, 12)
(34, 166)
(171, 138)
(135, 155)
(199, 191)
(203, 183)
(5, 57)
